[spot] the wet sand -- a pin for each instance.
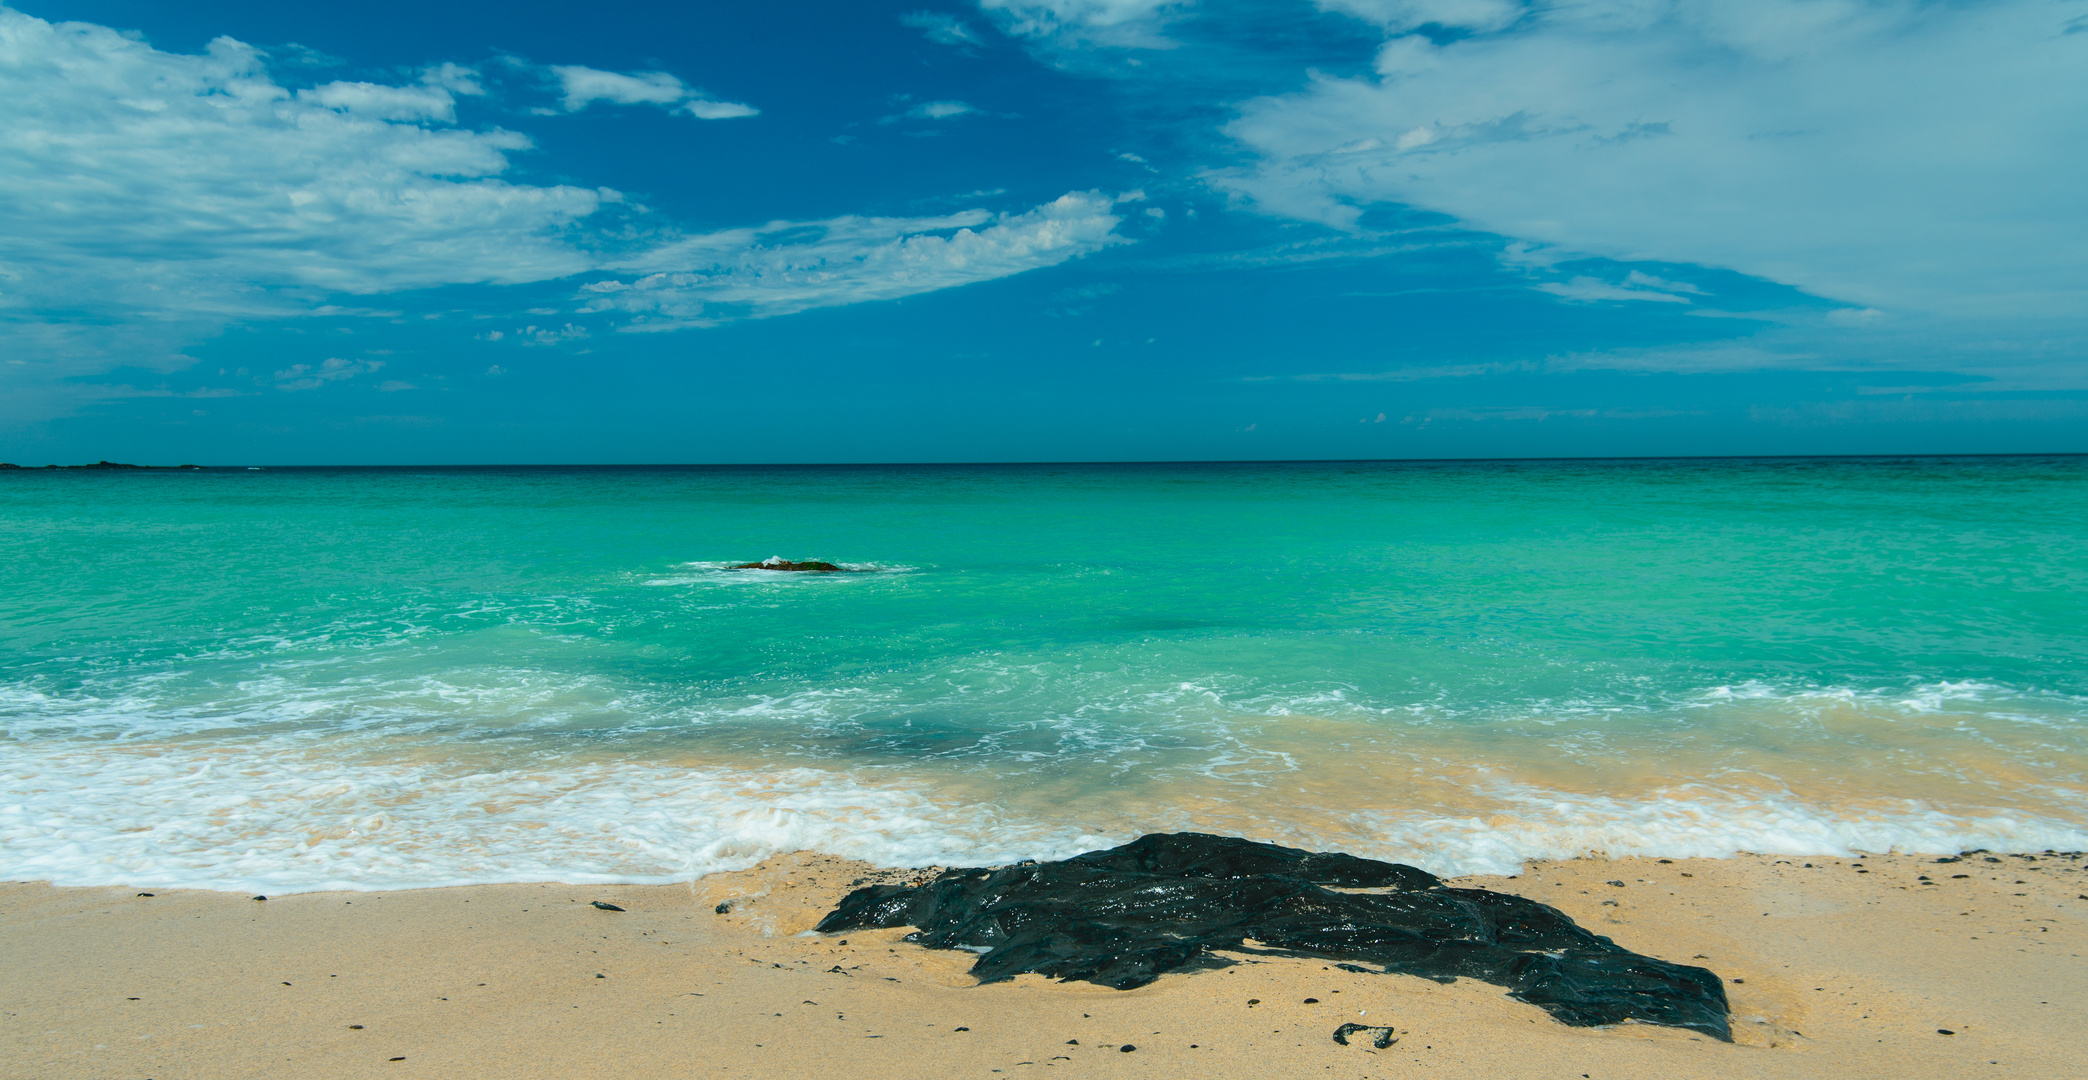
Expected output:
(1844, 968)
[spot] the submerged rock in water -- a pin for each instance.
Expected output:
(814, 566)
(1165, 902)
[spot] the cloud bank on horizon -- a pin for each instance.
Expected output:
(1904, 171)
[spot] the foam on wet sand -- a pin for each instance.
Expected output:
(1848, 967)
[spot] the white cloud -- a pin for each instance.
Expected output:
(1892, 153)
(455, 78)
(703, 109)
(787, 266)
(380, 102)
(148, 199)
(583, 86)
(1588, 290)
(550, 335)
(148, 195)
(314, 376)
(1401, 16)
(1135, 24)
(941, 28)
(941, 110)
(933, 110)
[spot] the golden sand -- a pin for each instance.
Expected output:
(1834, 971)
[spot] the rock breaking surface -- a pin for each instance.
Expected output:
(1171, 902)
(810, 566)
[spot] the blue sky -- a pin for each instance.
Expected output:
(1041, 230)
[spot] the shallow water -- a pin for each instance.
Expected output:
(303, 679)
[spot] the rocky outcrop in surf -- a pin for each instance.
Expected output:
(1168, 902)
(812, 566)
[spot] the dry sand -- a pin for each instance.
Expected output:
(1844, 968)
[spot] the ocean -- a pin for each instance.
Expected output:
(295, 679)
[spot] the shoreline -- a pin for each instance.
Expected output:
(1845, 967)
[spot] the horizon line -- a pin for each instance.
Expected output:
(106, 466)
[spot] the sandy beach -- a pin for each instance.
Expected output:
(1835, 966)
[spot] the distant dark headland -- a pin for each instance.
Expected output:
(103, 465)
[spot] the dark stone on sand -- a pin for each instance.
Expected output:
(812, 566)
(1167, 902)
(723, 908)
(606, 907)
(1381, 1037)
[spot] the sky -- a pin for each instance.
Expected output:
(1049, 230)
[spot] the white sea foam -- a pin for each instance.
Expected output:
(281, 815)
(1700, 821)
(271, 817)
(319, 773)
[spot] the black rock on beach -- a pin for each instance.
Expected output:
(1168, 902)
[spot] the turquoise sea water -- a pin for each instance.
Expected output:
(330, 678)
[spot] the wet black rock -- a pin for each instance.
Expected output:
(812, 566)
(1166, 902)
(605, 906)
(1380, 1037)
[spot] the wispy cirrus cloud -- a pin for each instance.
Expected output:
(942, 28)
(1118, 24)
(942, 110)
(583, 86)
(1636, 286)
(1406, 16)
(330, 370)
(149, 198)
(930, 111)
(789, 266)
